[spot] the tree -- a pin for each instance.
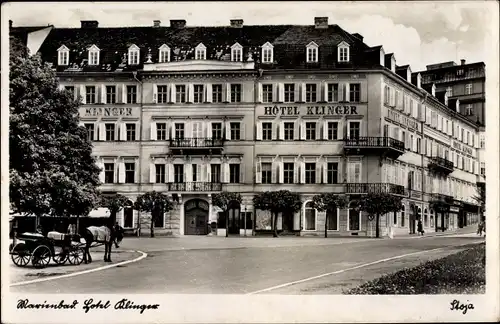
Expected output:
(276, 202)
(329, 202)
(223, 201)
(114, 203)
(155, 203)
(377, 204)
(51, 168)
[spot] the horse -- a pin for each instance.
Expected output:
(104, 235)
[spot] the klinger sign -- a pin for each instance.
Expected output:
(310, 110)
(108, 112)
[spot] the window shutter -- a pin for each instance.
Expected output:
(296, 167)
(303, 92)
(325, 129)
(198, 173)
(228, 92)
(171, 87)
(259, 92)
(318, 172)
(302, 130)
(123, 131)
(188, 171)
(121, 172)
(296, 92)
(83, 94)
(225, 172)
(340, 130)
(325, 172)
(258, 172)
(347, 92)
(152, 173)
(228, 130)
(296, 129)
(155, 93)
(208, 92)
(258, 133)
(123, 94)
(281, 92)
(172, 130)
(274, 128)
(188, 129)
(242, 131)
(274, 172)
(302, 171)
(242, 173)
(325, 91)
(281, 130)
(190, 92)
(102, 94)
(153, 131)
(281, 172)
(208, 129)
(209, 173)
(100, 165)
(102, 132)
(318, 130)
(341, 93)
(169, 172)
(350, 172)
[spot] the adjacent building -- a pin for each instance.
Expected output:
(192, 111)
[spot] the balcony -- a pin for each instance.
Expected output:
(195, 187)
(440, 198)
(440, 165)
(198, 145)
(364, 188)
(384, 146)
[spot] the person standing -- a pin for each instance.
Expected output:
(480, 228)
(420, 228)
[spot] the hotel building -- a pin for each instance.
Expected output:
(192, 111)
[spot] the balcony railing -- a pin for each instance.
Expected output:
(196, 142)
(441, 164)
(375, 142)
(364, 188)
(195, 186)
(442, 198)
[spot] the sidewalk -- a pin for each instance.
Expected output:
(469, 230)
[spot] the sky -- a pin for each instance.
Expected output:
(417, 32)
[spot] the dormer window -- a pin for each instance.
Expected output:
(133, 55)
(94, 55)
(236, 53)
(200, 52)
(312, 53)
(63, 55)
(164, 54)
(449, 91)
(343, 52)
(267, 53)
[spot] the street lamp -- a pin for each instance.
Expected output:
(245, 221)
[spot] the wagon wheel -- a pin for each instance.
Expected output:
(75, 256)
(41, 256)
(20, 255)
(60, 259)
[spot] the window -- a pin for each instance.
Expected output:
(236, 55)
(200, 52)
(235, 131)
(131, 94)
(333, 92)
(198, 93)
(469, 111)
(312, 53)
(353, 224)
(235, 92)
(267, 93)
(395, 218)
(216, 130)
(63, 56)
(90, 131)
(343, 52)
(110, 132)
(267, 131)
(93, 55)
(266, 172)
(310, 217)
(267, 53)
(332, 173)
(354, 129)
(402, 223)
(215, 173)
(133, 55)
(483, 169)
(164, 54)
(289, 130)
(482, 141)
(234, 173)
(217, 93)
(468, 89)
(194, 174)
(289, 92)
(161, 131)
(460, 72)
(110, 94)
(129, 172)
(310, 131)
(179, 130)
(311, 92)
(160, 173)
(178, 173)
(354, 92)
(419, 145)
(180, 93)
(109, 172)
(410, 146)
(387, 95)
(130, 132)
(332, 219)
(90, 95)
(162, 93)
(288, 169)
(449, 91)
(310, 173)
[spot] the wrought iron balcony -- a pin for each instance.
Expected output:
(441, 165)
(384, 145)
(364, 188)
(197, 144)
(437, 197)
(195, 186)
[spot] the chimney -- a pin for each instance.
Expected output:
(320, 22)
(89, 23)
(156, 23)
(462, 62)
(358, 36)
(237, 23)
(178, 23)
(10, 23)
(419, 81)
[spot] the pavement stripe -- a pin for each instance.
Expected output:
(352, 268)
(73, 274)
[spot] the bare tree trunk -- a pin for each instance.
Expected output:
(152, 227)
(227, 222)
(377, 221)
(326, 224)
(275, 225)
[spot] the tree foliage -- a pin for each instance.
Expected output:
(329, 202)
(155, 203)
(377, 204)
(282, 201)
(223, 199)
(114, 203)
(51, 167)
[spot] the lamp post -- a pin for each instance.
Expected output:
(245, 221)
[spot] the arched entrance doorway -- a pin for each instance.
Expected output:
(234, 212)
(196, 217)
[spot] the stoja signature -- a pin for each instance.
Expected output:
(459, 306)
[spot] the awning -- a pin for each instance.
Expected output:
(99, 212)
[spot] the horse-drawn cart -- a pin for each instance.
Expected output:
(41, 249)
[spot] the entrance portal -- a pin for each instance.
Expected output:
(196, 217)
(234, 210)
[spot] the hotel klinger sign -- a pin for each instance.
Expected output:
(310, 110)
